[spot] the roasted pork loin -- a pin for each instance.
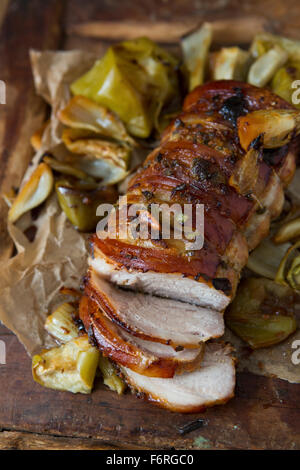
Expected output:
(180, 294)
(201, 161)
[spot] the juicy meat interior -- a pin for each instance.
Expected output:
(211, 383)
(153, 318)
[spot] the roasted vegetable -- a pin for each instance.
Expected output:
(34, 192)
(288, 231)
(71, 367)
(66, 168)
(244, 179)
(102, 159)
(283, 79)
(80, 201)
(60, 323)
(10, 196)
(273, 127)
(262, 313)
(135, 79)
(263, 69)
(266, 258)
(289, 268)
(231, 63)
(36, 138)
(195, 49)
(110, 378)
(263, 42)
(83, 113)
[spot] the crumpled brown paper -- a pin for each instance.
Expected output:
(31, 280)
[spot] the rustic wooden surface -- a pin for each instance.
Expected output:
(265, 413)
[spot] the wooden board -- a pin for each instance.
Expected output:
(265, 413)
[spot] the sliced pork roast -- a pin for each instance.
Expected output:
(153, 318)
(153, 334)
(210, 384)
(144, 357)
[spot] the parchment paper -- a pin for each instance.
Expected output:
(31, 280)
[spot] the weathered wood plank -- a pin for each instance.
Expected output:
(10, 440)
(3, 10)
(279, 15)
(264, 414)
(225, 31)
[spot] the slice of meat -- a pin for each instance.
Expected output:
(152, 318)
(163, 284)
(212, 383)
(143, 357)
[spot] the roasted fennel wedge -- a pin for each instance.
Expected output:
(70, 367)
(195, 47)
(139, 71)
(231, 63)
(263, 69)
(61, 325)
(283, 81)
(288, 273)
(262, 313)
(102, 159)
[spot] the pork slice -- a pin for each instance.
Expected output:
(153, 318)
(169, 285)
(144, 357)
(211, 383)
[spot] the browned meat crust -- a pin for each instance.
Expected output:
(199, 161)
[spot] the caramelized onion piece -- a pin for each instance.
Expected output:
(99, 158)
(83, 113)
(274, 127)
(33, 193)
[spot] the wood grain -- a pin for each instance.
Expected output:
(10, 440)
(3, 10)
(230, 31)
(265, 413)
